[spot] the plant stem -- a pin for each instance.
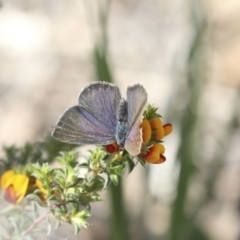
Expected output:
(35, 223)
(181, 225)
(118, 217)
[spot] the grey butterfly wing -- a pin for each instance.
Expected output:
(93, 121)
(78, 126)
(137, 101)
(101, 99)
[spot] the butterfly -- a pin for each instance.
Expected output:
(103, 117)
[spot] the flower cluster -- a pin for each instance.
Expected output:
(153, 131)
(16, 186)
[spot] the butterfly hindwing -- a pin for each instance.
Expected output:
(137, 101)
(133, 141)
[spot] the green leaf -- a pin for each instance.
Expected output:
(114, 179)
(24, 217)
(83, 165)
(93, 197)
(130, 163)
(107, 180)
(58, 224)
(142, 161)
(14, 224)
(35, 208)
(95, 184)
(68, 158)
(79, 220)
(151, 112)
(49, 226)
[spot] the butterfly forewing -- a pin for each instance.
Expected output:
(93, 121)
(101, 100)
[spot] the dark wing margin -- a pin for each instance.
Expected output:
(137, 101)
(79, 126)
(101, 99)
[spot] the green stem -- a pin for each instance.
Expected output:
(118, 224)
(35, 223)
(181, 225)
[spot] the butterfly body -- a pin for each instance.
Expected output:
(103, 117)
(122, 124)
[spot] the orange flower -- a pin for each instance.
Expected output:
(154, 131)
(146, 130)
(14, 186)
(155, 154)
(157, 126)
(167, 129)
(44, 191)
(160, 130)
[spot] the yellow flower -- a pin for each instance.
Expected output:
(14, 186)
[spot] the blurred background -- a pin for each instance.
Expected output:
(187, 55)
